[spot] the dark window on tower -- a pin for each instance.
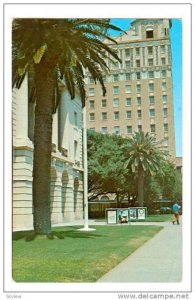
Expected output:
(149, 34)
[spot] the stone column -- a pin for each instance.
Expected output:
(55, 132)
(21, 135)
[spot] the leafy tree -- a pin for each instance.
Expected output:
(170, 182)
(144, 156)
(106, 167)
(51, 50)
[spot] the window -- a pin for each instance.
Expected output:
(128, 101)
(127, 64)
(104, 130)
(91, 92)
(117, 130)
(152, 128)
(163, 62)
(91, 104)
(143, 56)
(164, 86)
(91, 116)
(163, 73)
(128, 89)
(150, 74)
(139, 113)
(129, 129)
(128, 76)
(138, 88)
(104, 102)
(116, 90)
(128, 114)
(139, 101)
(91, 80)
(150, 50)
(149, 34)
(152, 112)
(162, 49)
(166, 127)
(116, 115)
(150, 62)
(151, 99)
(75, 118)
(116, 102)
(156, 50)
(137, 51)
(164, 99)
(137, 63)
(92, 129)
(115, 65)
(151, 87)
(104, 78)
(104, 116)
(138, 75)
(115, 77)
(75, 149)
(165, 112)
(166, 141)
(139, 127)
(127, 52)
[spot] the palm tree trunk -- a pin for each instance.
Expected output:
(140, 186)
(42, 150)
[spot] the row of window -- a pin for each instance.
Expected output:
(116, 114)
(128, 89)
(149, 49)
(137, 63)
(129, 129)
(143, 56)
(128, 101)
(127, 64)
(131, 76)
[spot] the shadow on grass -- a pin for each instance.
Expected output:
(30, 235)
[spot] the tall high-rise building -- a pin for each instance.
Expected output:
(139, 89)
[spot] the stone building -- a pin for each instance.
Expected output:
(140, 89)
(67, 162)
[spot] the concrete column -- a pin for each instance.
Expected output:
(68, 195)
(21, 138)
(55, 132)
(64, 122)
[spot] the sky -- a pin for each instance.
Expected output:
(176, 41)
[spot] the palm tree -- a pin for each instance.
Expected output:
(50, 50)
(145, 156)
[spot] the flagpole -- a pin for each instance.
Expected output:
(85, 174)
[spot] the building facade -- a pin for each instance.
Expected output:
(139, 89)
(67, 160)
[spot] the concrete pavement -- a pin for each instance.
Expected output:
(158, 260)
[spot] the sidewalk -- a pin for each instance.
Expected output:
(158, 260)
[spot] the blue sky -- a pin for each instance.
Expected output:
(176, 40)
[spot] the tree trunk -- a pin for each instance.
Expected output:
(42, 149)
(140, 186)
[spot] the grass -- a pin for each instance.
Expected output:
(151, 218)
(159, 218)
(75, 256)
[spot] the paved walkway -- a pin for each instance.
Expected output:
(158, 260)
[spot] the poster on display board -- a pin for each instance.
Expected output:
(122, 216)
(141, 213)
(111, 216)
(132, 213)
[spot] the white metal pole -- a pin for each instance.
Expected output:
(85, 173)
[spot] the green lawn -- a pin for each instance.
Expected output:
(160, 218)
(75, 256)
(151, 218)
